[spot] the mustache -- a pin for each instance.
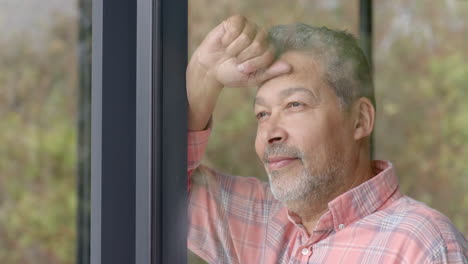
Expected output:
(281, 149)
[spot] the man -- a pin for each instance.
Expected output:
(326, 201)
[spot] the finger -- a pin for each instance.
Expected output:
(243, 40)
(276, 69)
(233, 27)
(260, 62)
(214, 36)
(258, 46)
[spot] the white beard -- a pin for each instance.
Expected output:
(306, 186)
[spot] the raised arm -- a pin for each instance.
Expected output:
(236, 53)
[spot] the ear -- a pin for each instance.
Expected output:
(364, 113)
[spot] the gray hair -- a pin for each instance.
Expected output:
(346, 69)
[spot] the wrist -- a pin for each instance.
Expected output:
(198, 73)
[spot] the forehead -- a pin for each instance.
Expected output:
(306, 73)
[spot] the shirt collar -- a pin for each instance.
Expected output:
(360, 201)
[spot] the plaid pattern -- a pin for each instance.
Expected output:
(237, 220)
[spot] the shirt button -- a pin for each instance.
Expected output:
(341, 226)
(305, 251)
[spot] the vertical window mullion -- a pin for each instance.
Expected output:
(170, 138)
(113, 132)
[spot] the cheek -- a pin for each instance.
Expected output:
(259, 148)
(314, 135)
(306, 133)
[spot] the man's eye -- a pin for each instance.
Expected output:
(260, 115)
(294, 104)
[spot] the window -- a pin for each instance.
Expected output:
(129, 132)
(420, 81)
(38, 132)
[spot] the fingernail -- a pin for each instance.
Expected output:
(241, 67)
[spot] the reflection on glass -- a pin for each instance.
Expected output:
(38, 95)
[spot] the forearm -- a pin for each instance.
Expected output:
(202, 92)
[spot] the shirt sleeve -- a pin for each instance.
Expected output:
(452, 249)
(196, 145)
(225, 212)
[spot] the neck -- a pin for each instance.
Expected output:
(312, 208)
(309, 214)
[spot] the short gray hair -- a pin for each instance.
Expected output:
(346, 69)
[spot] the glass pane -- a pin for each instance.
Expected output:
(421, 76)
(38, 131)
(231, 145)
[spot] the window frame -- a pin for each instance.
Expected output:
(139, 132)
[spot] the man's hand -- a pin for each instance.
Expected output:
(236, 53)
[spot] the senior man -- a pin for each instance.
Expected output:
(326, 200)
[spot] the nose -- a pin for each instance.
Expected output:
(276, 134)
(268, 133)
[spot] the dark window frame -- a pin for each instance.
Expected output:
(139, 132)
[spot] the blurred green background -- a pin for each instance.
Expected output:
(421, 80)
(38, 135)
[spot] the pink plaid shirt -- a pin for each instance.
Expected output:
(237, 220)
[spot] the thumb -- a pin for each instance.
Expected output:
(276, 69)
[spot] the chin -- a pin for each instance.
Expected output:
(288, 191)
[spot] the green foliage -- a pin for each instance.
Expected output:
(38, 154)
(422, 122)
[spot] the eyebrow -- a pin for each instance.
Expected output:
(286, 93)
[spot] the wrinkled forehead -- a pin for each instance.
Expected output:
(306, 72)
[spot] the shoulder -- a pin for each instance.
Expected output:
(427, 231)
